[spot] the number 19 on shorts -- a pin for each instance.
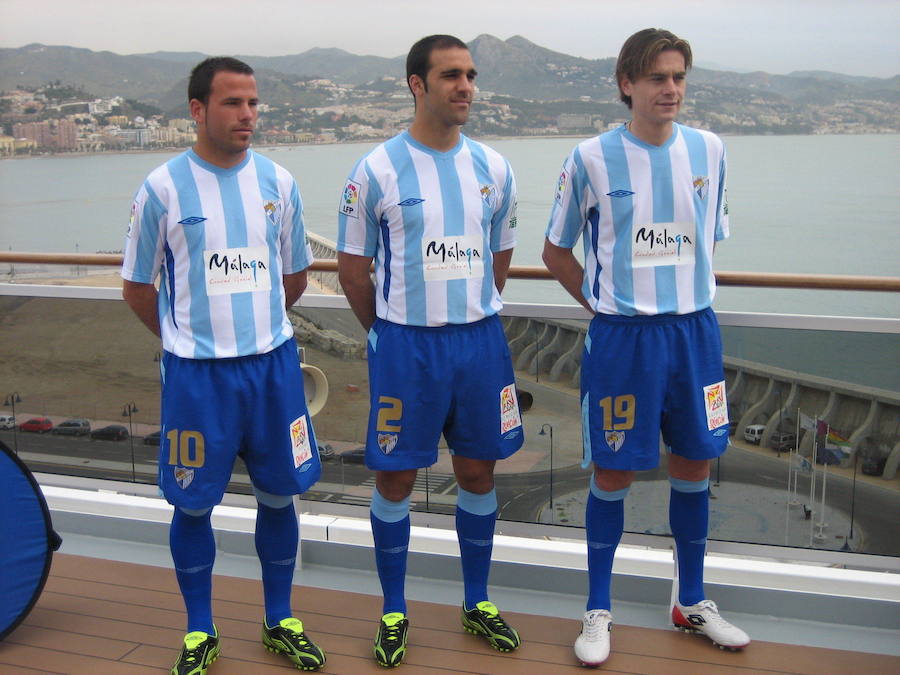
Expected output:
(618, 412)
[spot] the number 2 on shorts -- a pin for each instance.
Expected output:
(390, 410)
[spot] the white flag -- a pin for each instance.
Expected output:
(806, 422)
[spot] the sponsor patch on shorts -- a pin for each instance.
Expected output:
(716, 405)
(509, 409)
(300, 445)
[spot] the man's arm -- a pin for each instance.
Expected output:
(501, 263)
(353, 275)
(563, 265)
(294, 285)
(142, 298)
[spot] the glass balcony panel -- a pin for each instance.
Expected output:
(78, 359)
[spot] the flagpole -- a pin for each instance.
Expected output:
(794, 451)
(852, 501)
(812, 484)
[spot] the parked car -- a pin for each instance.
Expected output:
(326, 452)
(783, 441)
(114, 432)
(873, 465)
(7, 422)
(355, 456)
(152, 438)
(753, 433)
(73, 427)
(39, 425)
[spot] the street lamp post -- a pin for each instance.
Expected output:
(11, 401)
(127, 411)
(543, 432)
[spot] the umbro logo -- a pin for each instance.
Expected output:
(192, 220)
(412, 201)
(620, 193)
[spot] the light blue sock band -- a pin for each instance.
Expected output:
(613, 496)
(272, 501)
(479, 505)
(681, 485)
(388, 511)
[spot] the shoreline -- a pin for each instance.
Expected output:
(490, 137)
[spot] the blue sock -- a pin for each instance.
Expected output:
(475, 518)
(194, 552)
(689, 520)
(277, 536)
(604, 521)
(390, 529)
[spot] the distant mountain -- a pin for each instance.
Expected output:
(100, 73)
(515, 67)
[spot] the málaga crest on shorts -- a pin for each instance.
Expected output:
(183, 476)
(615, 439)
(387, 442)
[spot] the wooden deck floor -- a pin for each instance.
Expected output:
(100, 617)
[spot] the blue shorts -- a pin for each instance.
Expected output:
(424, 381)
(216, 409)
(644, 374)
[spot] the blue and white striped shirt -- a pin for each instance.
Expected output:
(220, 239)
(649, 217)
(432, 221)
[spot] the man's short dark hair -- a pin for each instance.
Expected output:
(200, 83)
(640, 51)
(418, 61)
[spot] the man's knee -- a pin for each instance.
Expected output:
(474, 475)
(612, 480)
(688, 469)
(395, 486)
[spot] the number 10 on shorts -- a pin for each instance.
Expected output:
(186, 448)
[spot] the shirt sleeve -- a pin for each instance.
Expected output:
(722, 231)
(143, 254)
(570, 203)
(296, 253)
(359, 212)
(505, 220)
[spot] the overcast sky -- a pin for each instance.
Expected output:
(778, 36)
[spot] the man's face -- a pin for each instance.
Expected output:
(446, 94)
(226, 122)
(656, 95)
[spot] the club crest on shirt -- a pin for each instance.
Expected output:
(387, 442)
(273, 209)
(701, 186)
(615, 439)
(561, 185)
(349, 205)
(488, 193)
(183, 476)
